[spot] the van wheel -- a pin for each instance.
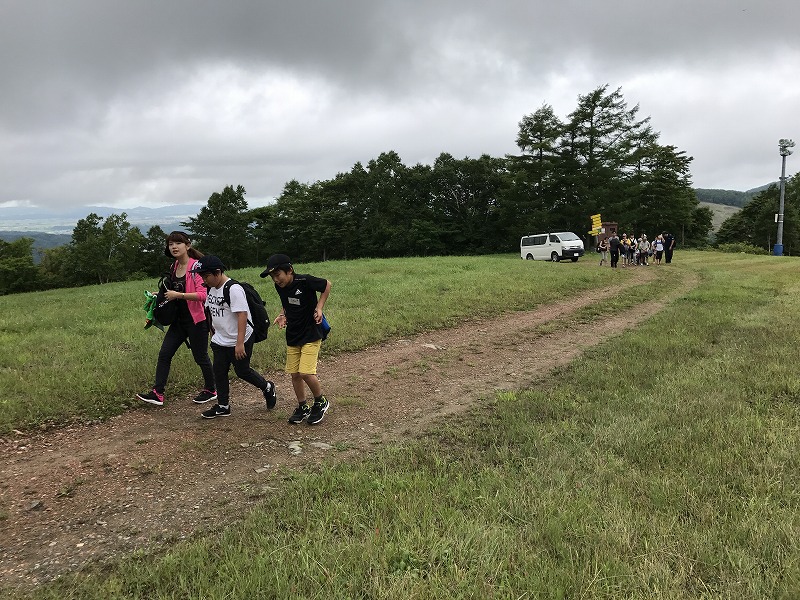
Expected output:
(554, 257)
(575, 259)
(529, 257)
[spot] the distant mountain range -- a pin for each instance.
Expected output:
(64, 221)
(41, 241)
(53, 228)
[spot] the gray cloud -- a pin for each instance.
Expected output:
(157, 102)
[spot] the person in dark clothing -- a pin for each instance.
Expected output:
(669, 246)
(614, 248)
(602, 248)
(188, 292)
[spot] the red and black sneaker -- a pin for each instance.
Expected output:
(152, 397)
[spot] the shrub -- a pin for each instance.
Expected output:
(744, 247)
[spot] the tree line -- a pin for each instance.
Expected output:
(755, 224)
(601, 158)
(727, 197)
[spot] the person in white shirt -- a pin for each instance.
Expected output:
(659, 248)
(644, 250)
(232, 341)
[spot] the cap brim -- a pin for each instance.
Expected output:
(266, 272)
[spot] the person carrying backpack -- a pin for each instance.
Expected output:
(189, 325)
(602, 248)
(302, 317)
(233, 335)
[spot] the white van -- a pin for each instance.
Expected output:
(551, 246)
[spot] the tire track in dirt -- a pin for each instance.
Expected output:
(157, 475)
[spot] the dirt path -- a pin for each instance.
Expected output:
(158, 474)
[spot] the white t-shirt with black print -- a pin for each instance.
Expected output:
(224, 318)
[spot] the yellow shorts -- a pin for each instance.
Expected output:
(303, 359)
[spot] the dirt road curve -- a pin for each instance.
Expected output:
(157, 474)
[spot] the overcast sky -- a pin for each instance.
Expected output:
(140, 103)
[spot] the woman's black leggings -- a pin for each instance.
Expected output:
(181, 330)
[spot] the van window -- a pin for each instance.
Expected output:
(569, 237)
(554, 239)
(539, 240)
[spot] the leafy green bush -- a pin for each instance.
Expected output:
(738, 247)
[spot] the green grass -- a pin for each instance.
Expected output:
(664, 463)
(82, 354)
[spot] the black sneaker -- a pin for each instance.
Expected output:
(204, 397)
(270, 395)
(300, 413)
(216, 411)
(318, 411)
(152, 397)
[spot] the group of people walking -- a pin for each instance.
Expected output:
(636, 251)
(205, 304)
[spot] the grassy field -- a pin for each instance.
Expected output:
(82, 354)
(664, 463)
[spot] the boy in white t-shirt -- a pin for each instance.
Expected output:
(231, 342)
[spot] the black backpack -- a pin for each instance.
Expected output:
(258, 310)
(165, 311)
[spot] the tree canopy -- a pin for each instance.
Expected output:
(755, 223)
(222, 227)
(602, 157)
(18, 273)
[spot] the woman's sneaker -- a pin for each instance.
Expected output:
(205, 396)
(300, 414)
(152, 397)
(318, 411)
(270, 395)
(216, 411)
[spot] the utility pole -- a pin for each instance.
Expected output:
(785, 149)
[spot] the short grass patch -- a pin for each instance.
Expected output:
(663, 464)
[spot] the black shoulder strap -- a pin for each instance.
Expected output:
(226, 291)
(226, 295)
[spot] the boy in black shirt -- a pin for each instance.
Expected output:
(301, 315)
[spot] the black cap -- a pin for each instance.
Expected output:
(275, 261)
(207, 264)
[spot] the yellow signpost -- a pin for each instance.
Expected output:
(597, 225)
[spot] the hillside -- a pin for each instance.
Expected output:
(729, 197)
(724, 203)
(41, 241)
(721, 212)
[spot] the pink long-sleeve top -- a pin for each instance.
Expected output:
(194, 283)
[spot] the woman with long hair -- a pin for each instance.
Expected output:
(187, 291)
